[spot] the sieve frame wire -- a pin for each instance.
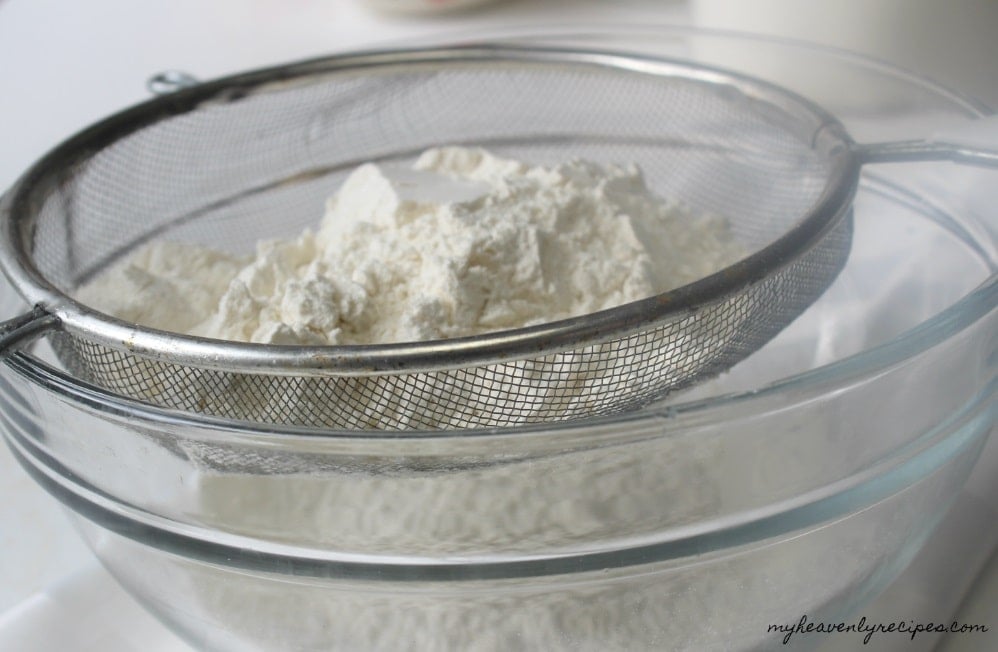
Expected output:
(21, 204)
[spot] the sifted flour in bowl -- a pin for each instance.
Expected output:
(462, 243)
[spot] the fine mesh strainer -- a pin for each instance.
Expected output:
(254, 156)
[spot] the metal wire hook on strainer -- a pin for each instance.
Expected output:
(251, 156)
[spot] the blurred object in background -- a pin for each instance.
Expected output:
(954, 42)
(423, 6)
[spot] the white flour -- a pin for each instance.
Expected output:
(466, 242)
(463, 243)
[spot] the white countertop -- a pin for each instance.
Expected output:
(67, 64)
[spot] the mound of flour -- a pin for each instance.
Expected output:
(462, 243)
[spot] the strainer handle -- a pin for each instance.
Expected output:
(973, 142)
(24, 327)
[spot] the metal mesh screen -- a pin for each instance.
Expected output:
(592, 380)
(258, 161)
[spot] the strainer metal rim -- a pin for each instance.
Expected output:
(19, 204)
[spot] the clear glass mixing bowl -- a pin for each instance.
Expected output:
(800, 483)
